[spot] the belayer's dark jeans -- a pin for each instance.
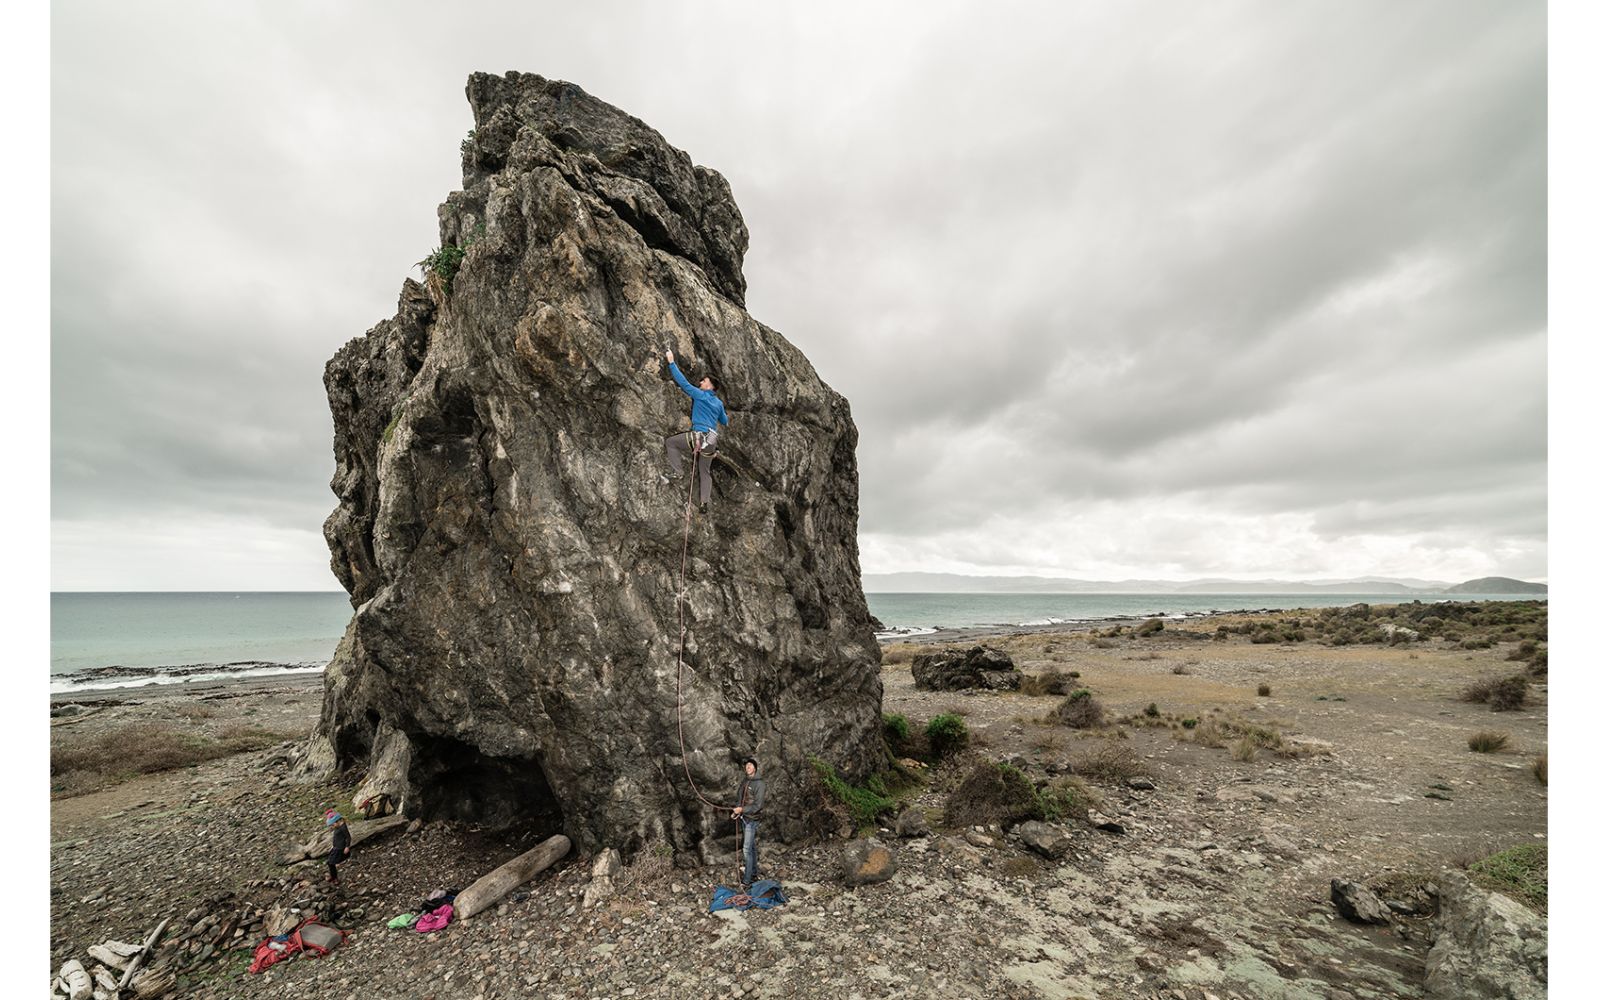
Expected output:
(683, 443)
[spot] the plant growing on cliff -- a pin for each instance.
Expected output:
(864, 803)
(445, 262)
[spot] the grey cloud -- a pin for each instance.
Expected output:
(1053, 255)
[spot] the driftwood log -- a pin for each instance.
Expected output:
(360, 830)
(487, 891)
(154, 983)
(144, 953)
(100, 953)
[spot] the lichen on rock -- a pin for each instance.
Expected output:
(514, 565)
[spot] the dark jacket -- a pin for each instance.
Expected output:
(752, 794)
(341, 844)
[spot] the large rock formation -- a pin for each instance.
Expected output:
(512, 561)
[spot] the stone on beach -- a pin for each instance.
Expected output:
(959, 669)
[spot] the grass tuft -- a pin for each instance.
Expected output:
(1488, 742)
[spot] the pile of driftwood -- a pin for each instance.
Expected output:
(117, 971)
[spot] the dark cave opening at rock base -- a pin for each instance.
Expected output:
(456, 781)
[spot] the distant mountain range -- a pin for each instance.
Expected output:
(956, 583)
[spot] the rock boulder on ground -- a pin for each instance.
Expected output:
(1358, 903)
(515, 567)
(958, 669)
(863, 862)
(1046, 839)
(1486, 945)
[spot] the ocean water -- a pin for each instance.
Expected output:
(925, 612)
(237, 633)
(167, 638)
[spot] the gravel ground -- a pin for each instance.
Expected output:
(1217, 886)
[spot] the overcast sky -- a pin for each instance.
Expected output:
(1115, 289)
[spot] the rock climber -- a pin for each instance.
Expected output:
(752, 796)
(705, 416)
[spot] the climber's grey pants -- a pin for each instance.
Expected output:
(683, 443)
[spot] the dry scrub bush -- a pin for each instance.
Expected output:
(1541, 768)
(1488, 742)
(991, 793)
(1078, 710)
(900, 653)
(145, 748)
(1108, 763)
(1501, 694)
(1052, 682)
(1180, 669)
(1264, 690)
(1219, 731)
(650, 866)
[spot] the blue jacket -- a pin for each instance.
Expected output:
(708, 411)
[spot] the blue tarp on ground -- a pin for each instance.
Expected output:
(764, 895)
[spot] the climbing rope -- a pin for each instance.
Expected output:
(683, 629)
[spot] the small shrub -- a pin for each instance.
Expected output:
(1067, 797)
(1152, 710)
(993, 793)
(1103, 644)
(947, 735)
(1524, 651)
(466, 144)
(1265, 636)
(1078, 710)
(1501, 694)
(1180, 669)
(1243, 749)
(1221, 634)
(1190, 722)
(1150, 626)
(1264, 690)
(1487, 742)
(1538, 664)
(1541, 768)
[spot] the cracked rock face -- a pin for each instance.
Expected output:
(514, 565)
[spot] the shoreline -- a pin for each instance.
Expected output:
(964, 633)
(207, 688)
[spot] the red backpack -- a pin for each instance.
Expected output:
(310, 936)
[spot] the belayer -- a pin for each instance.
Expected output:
(705, 416)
